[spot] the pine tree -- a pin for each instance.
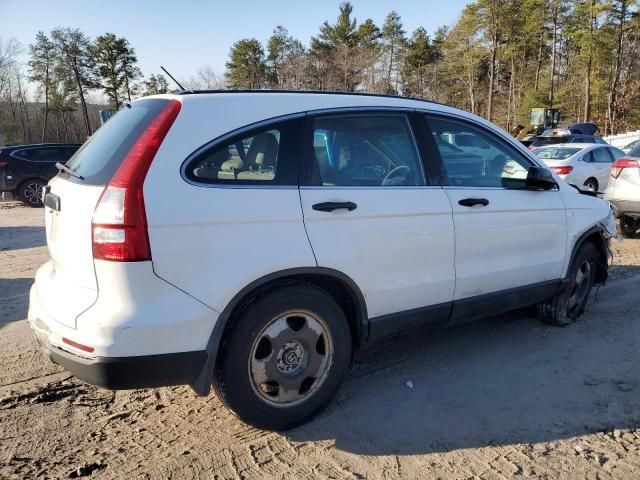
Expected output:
(246, 66)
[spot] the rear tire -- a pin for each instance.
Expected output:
(565, 307)
(30, 192)
(628, 226)
(284, 357)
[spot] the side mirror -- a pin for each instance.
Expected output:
(539, 178)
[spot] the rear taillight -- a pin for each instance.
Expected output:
(621, 164)
(562, 170)
(3, 164)
(119, 225)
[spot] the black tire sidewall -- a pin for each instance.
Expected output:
(232, 372)
(592, 182)
(586, 252)
(625, 232)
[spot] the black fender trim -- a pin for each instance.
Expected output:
(603, 266)
(202, 384)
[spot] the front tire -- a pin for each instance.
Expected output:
(284, 357)
(565, 307)
(628, 226)
(30, 192)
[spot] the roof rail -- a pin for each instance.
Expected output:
(316, 92)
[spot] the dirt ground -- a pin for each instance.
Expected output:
(503, 398)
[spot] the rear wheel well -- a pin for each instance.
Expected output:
(343, 293)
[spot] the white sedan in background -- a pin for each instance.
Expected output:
(585, 165)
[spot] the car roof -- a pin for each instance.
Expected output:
(575, 145)
(42, 145)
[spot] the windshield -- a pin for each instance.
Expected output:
(99, 157)
(556, 153)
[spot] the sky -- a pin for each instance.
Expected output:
(184, 36)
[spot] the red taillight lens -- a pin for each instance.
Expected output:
(562, 170)
(3, 164)
(621, 164)
(119, 226)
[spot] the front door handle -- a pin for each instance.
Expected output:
(331, 206)
(471, 202)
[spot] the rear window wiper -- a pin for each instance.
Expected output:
(66, 169)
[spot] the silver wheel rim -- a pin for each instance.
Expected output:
(33, 192)
(581, 285)
(591, 186)
(290, 358)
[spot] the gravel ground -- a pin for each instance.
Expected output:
(500, 398)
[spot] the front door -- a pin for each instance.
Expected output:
(369, 214)
(507, 237)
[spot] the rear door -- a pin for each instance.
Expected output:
(505, 237)
(601, 166)
(370, 214)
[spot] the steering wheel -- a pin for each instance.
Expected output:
(395, 173)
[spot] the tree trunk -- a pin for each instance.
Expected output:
(553, 52)
(612, 97)
(539, 63)
(83, 103)
(46, 107)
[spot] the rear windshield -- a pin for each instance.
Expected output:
(555, 153)
(98, 159)
(539, 141)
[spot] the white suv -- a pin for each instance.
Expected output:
(254, 240)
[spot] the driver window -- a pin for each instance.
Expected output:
(480, 160)
(365, 150)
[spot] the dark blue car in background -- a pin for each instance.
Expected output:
(26, 169)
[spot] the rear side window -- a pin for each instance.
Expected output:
(42, 154)
(365, 150)
(600, 155)
(100, 156)
(265, 155)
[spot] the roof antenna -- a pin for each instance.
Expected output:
(171, 76)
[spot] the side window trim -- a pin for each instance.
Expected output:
(445, 180)
(309, 169)
(233, 134)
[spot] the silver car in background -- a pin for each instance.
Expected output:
(623, 191)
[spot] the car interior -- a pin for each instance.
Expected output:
(372, 150)
(249, 158)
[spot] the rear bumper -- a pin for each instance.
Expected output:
(625, 208)
(118, 373)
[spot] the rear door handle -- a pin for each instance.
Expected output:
(471, 202)
(331, 206)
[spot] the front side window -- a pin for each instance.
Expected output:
(266, 155)
(364, 150)
(486, 162)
